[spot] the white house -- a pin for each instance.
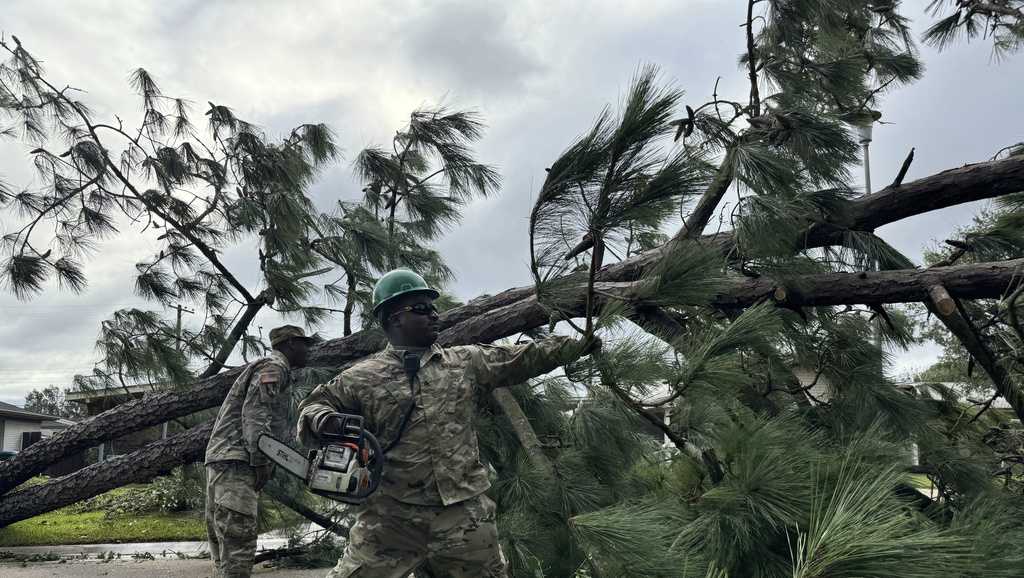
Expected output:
(15, 422)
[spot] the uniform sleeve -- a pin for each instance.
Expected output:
(324, 400)
(266, 383)
(505, 365)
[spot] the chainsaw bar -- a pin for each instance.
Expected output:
(283, 455)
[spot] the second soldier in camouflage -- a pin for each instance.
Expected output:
(236, 470)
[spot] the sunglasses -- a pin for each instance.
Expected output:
(418, 309)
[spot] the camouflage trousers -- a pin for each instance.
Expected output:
(390, 539)
(231, 518)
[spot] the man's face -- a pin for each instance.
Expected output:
(415, 320)
(297, 352)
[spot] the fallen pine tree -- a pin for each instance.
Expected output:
(515, 310)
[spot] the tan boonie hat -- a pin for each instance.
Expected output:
(286, 332)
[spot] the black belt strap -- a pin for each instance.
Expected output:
(411, 361)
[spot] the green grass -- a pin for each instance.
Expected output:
(63, 527)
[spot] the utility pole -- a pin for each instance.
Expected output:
(177, 347)
(177, 335)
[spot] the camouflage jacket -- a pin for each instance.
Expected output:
(256, 404)
(437, 460)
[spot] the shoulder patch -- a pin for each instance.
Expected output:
(270, 374)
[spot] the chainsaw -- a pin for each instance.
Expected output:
(348, 466)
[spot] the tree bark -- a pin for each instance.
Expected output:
(139, 466)
(973, 281)
(492, 317)
(350, 302)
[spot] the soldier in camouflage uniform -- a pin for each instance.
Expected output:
(431, 507)
(236, 470)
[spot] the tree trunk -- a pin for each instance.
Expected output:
(974, 281)
(488, 318)
(140, 466)
(698, 219)
(350, 301)
(236, 333)
(524, 431)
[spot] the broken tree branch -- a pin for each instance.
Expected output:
(903, 169)
(524, 431)
(946, 308)
(694, 225)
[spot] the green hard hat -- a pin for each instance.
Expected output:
(396, 283)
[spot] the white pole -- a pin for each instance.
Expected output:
(867, 168)
(865, 139)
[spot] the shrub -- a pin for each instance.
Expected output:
(176, 492)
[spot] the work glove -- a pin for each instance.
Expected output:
(263, 474)
(334, 424)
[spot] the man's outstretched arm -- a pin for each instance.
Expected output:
(505, 365)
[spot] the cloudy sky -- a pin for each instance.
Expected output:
(537, 71)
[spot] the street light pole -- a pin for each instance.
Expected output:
(864, 132)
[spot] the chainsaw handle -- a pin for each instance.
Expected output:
(341, 426)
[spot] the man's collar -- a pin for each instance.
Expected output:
(433, 350)
(280, 358)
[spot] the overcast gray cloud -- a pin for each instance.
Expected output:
(537, 71)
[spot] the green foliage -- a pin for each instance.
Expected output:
(204, 190)
(176, 492)
(619, 177)
(856, 528)
(417, 189)
(51, 401)
(994, 235)
(1000, 20)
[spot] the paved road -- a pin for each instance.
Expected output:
(158, 549)
(134, 568)
(82, 560)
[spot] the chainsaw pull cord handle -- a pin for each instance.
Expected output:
(411, 363)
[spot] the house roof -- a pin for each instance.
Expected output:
(86, 396)
(10, 410)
